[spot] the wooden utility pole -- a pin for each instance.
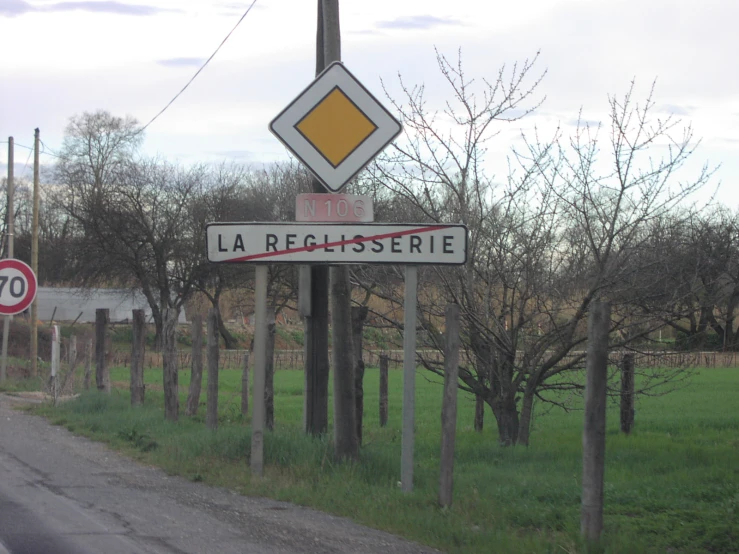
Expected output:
(346, 445)
(9, 254)
(11, 196)
(34, 253)
(594, 430)
(315, 280)
(345, 435)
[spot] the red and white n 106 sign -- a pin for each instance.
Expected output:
(339, 208)
(17, 286)
(337, 243)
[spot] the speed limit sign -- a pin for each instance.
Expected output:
(17, 286)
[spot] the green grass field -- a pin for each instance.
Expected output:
(672, 486)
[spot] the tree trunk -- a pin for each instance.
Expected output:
(196, 371)
(228, 339)
(479, 412)
(449, 406)
(345, 425)
(359, 315)
(527, 408)
(211, 416)
(169, 359)
(269, 372)
(506, 415)
(158, 318)
(137, 358)
(102, 375)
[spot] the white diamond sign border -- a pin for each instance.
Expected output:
(335, 75)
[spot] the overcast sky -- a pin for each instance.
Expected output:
(62, 58)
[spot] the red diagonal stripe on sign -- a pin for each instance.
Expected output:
(413, 231)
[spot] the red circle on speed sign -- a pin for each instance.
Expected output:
(17, 286)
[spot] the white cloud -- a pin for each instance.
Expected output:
(89, 56)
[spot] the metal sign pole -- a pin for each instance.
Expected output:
(260, 364)
(7, 318)
(409, 378)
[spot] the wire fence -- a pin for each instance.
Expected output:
(295, 359)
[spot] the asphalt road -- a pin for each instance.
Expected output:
(62, 494)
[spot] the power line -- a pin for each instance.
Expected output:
(50, 152)
(201, 68)
(25, 167)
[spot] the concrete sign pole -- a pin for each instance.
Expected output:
(260, 364)
(55, 362)
(409, 378)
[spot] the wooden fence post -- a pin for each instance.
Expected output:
(72, 352)
(211, 417)
(245, 386)
(627, 393)
(137, 358)
(196, 370)
(594, 429)
(88, 364)
(449, 406)
(170, 365)
(384, 363)
(102, 375)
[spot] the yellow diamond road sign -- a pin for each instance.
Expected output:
(335, 127)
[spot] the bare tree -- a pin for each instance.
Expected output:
(562, 231)
(699, 289)
(130, 215)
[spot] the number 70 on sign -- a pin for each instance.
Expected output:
(17, 286)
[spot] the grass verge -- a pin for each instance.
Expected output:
(672, 486)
